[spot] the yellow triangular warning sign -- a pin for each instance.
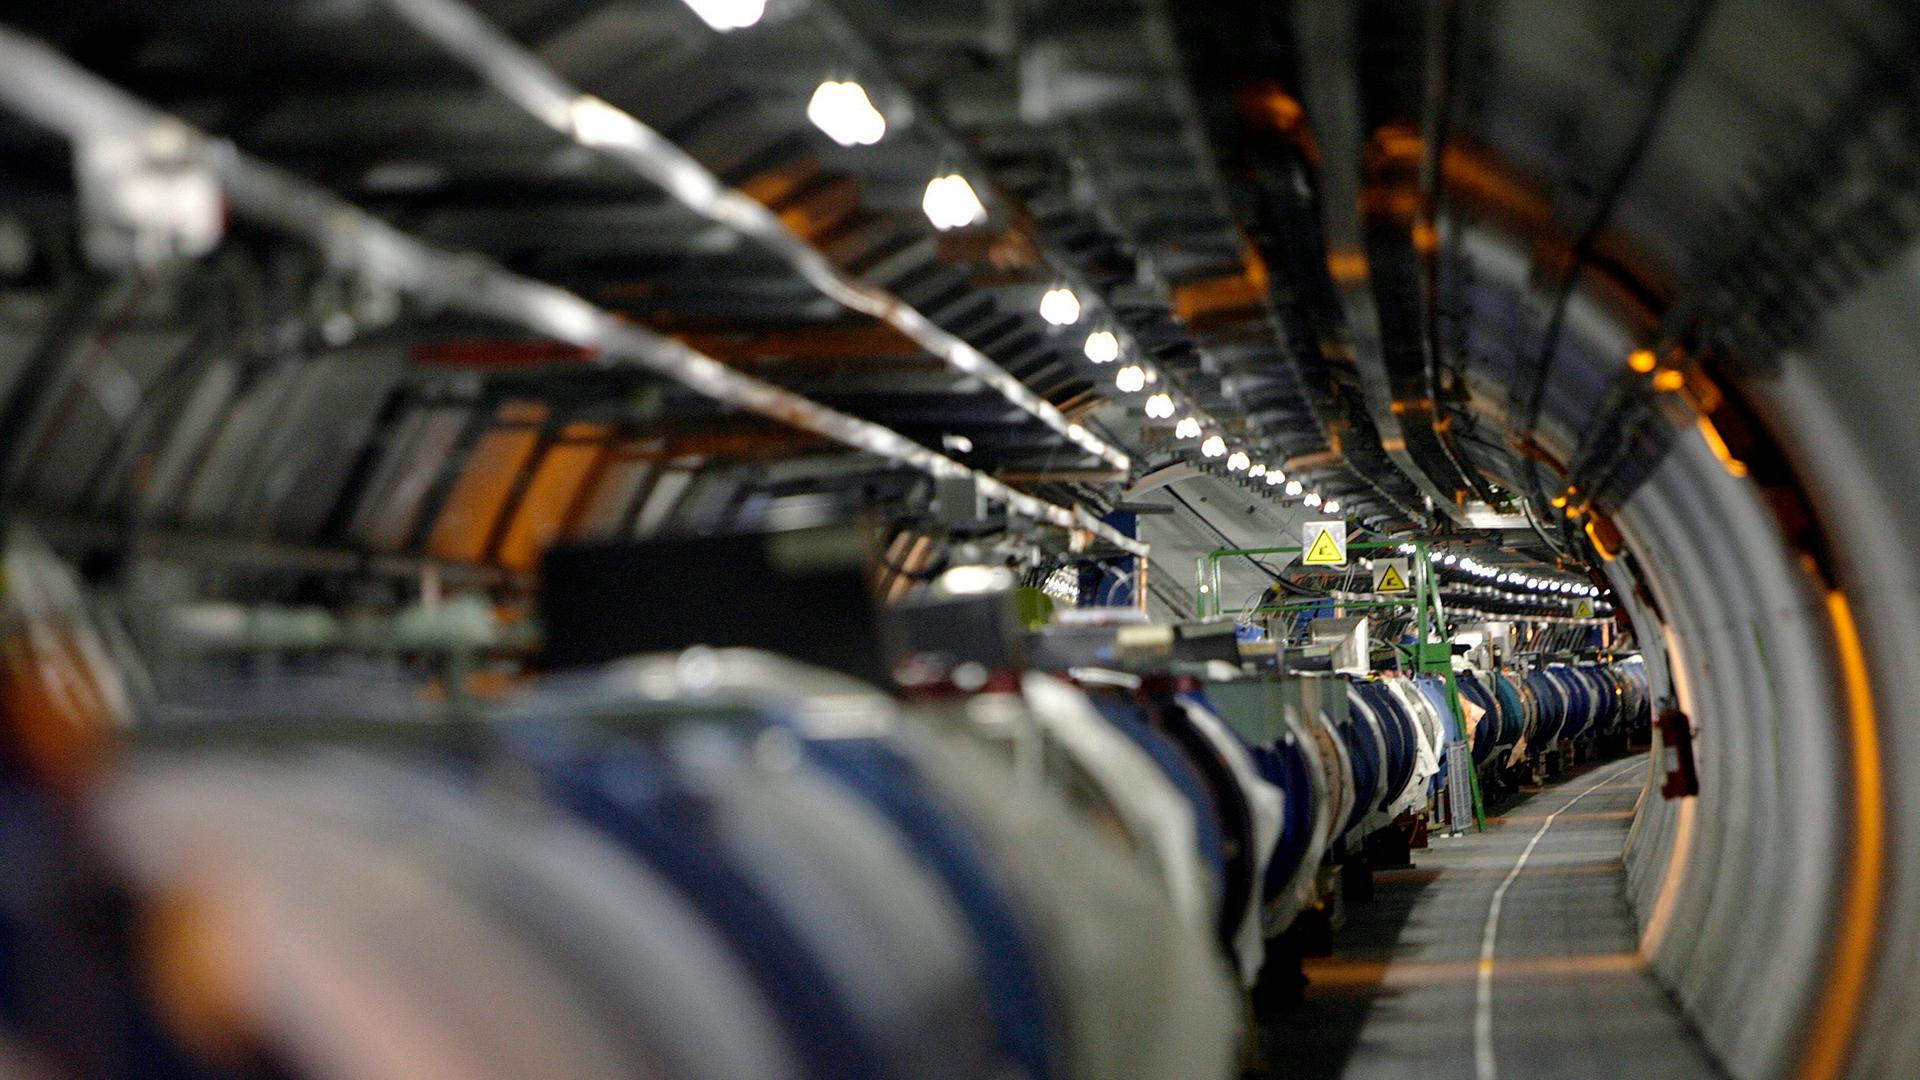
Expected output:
(1583, 610)
(1391, 581)
(1325, 551)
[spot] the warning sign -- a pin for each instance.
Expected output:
(1583, 609)
(1324, 543)
(1391, 576)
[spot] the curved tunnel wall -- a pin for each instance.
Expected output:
(1781, 905)
(1753, 653)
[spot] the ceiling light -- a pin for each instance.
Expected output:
(1332, 507)
(1294, 488)
(1060, 307)
(1130, 379)
(1258, 469)
(1408, 549)
(1449, 559)
(1238, 460)
(1642, 360)
(958, 444)
(1215, 446)
(596, 123)
(951, 204)
(1160, 406)
(846, 114)
(974, 580)
(1187, 428)
(1275, 479)
(1312, 499)
(725, 15)
(1102, 347)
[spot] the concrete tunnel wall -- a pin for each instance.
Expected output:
(1781, 906)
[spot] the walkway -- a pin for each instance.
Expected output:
(1566, 997)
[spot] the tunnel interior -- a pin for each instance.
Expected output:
(327, 323)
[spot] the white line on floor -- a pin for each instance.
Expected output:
(1483, 1062)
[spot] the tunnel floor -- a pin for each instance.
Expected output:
(1568, 997)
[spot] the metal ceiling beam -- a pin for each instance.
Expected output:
(42, 85)
(530, 83)
(1064, 239)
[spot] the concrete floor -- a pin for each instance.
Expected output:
(1568, 996)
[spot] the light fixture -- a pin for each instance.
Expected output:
(951, 204)
(1102, 347)
(725, 15)
(1332, 507)
(1238, 460)
(1130, 379)
(1294, 487)
(1060, 307)
(1187, 428)
(1408, 549)
(1312, 499)
(1449, 559)
(1642, 360)
(1258, 469)
(1215, 446)
(846, 114)
(974, 580)
(1275, 479)
(1159, 406)
(596, 123)
(958, 444)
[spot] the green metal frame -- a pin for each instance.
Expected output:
(1425, 661)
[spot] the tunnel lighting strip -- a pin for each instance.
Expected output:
(1108, 340)
(1104, 343)
(530, 83)
(41, 84)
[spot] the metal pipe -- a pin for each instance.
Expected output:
(44, 86)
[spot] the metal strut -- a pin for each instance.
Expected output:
(42, 85)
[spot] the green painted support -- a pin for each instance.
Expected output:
(1435, 659)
